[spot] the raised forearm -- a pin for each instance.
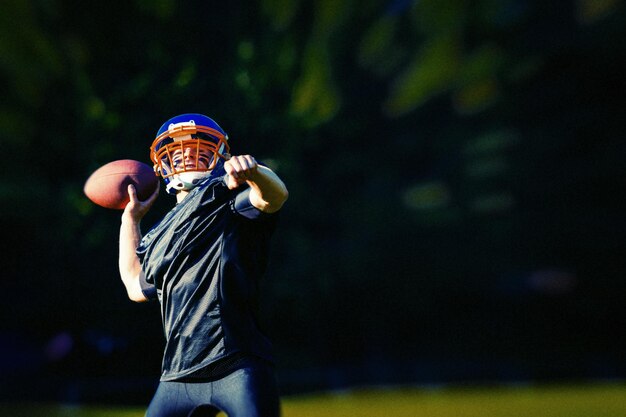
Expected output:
(268, 192)
(130, 236)
(129, 264)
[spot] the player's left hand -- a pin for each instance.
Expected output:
(239, 169)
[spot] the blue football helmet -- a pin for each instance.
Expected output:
(187, 149)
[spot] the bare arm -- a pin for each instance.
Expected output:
(268, 193)
(130, 236)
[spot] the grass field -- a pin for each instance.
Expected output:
(599, 400)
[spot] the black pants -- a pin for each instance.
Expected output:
(247, 392)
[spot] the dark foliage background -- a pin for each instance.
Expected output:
(455, 171)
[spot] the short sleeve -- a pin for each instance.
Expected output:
(148, 289)
(244, 207)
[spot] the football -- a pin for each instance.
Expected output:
(108, 185)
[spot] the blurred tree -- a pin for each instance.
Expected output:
(438, 154)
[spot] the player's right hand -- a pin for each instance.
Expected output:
(136, 209)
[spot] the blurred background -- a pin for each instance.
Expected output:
(455, 167)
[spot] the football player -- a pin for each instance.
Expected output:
(203, 262)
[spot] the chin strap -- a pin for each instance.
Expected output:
(185, 181)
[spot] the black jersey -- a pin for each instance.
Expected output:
(205, 260)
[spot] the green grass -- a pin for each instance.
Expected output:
(599, 400)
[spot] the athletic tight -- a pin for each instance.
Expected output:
(247, 392)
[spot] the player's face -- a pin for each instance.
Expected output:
(189, 158)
